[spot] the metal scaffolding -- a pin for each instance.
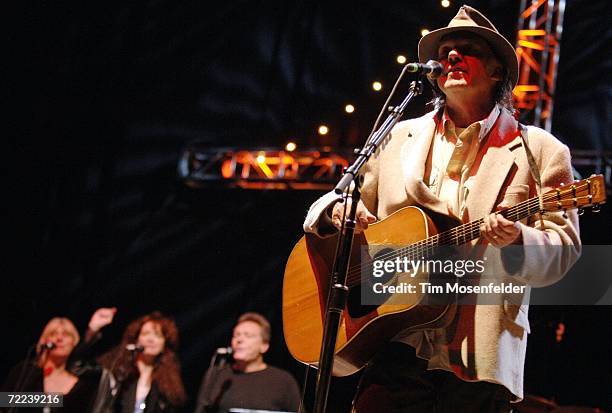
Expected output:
(540, 25)
(266, 168)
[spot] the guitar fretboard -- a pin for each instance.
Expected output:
(464, 233)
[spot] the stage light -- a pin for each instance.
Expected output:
(263, 166)
(349, 108)
(377, 86)
(401, 59)
(445, 3)
(290, 147)
(323, 130)
(424, 32)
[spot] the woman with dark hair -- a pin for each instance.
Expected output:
(144, 368)
(151, 379)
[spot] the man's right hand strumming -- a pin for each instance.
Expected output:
(363, 216)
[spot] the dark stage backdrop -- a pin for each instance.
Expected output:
(108, 95)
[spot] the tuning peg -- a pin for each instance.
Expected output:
(596, 208)
(580, 211)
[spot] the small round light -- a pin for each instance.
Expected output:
(349, 108)
(445, 3)
(290, 147)
(424, 32)
(323, 130)
(401, 59)
(377, 86)
(261, 158)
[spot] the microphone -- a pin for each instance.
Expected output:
(432, 68)
(136, 348)
(224, 351)
(46, 346)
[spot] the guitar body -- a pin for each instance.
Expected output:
(363, 329)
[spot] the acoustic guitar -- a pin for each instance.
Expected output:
(365, 328)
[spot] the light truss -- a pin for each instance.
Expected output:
(540, 25)
(266, 168)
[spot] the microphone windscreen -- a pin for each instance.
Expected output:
(134, 347)
(49, 345)
(225, 350)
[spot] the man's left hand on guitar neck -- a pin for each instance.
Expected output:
(500, 231)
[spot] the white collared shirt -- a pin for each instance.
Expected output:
(453, 191)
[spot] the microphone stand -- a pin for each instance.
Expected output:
(209, 380)
(25, 372)
(336, 299)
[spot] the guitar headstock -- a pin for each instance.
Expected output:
(586, 193)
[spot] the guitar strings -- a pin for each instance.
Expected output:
(453, 234)
(428, 244)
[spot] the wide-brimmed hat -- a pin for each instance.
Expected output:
(471, 20)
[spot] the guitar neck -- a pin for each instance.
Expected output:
(464, 233)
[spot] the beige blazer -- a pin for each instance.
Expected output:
(493, 342)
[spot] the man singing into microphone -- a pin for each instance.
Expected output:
(466, 159)
(248, 382)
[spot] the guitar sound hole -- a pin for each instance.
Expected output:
(354, 306)
(380, 258)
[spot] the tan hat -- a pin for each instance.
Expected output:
(471, 20)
